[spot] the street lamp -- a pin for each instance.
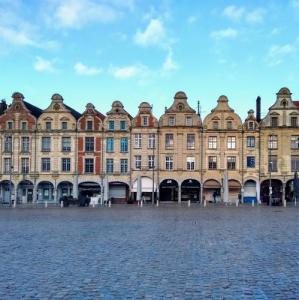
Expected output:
(270, 177)
(153, 171)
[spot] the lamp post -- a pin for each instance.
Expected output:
(153, 171)
(270, 176)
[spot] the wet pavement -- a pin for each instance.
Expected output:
(169, 252)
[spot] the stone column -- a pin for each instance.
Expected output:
(283, 193)
(75, 187)
(258, 192)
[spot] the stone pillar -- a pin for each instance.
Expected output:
(283, 192)
(258, 198)
(179, 194)
(201, 193)
(242, 194)
(75, 187)
(34, 194)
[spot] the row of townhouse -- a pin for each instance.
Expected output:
(46, 154)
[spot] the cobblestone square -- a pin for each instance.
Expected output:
(169, 252)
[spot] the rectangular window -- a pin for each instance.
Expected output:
(212, 161)
(151, 141)
(190, 141)
(250, 142)
(215, 125)
(188, 121)
(24, 125)
(66, 144)
(25, 165)
(295, 163)
(231, 162)
(151, 161)
(46, 144)
(229, 124)
(46, 165)
(138, 162)
(110, 144)
(272, 163)
(109, 165)
(8, 144)
(295, 141)
(7, 166)
(89, 165)
(25, 145)
(171, 121)
(66, 164)
(89, 125)
(169, 163)
(145, 121)
(122, 125)
(89, 144)
(212, 142)
(294, 121)
(124, 144)
(250, 162)
(48, 125)
(272, 142)
(274, 121)
(64, 125)
(137, 140)
(231, 142)
(9, 125)
(123, 166)
(190, 163)
(250, 125)
(168, 140)
(111, 125)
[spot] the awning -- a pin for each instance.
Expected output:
(211, 184)
(146, 185)
(234, 184)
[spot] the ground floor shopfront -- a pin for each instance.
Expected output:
(144, 188)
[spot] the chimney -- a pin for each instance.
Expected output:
(3, 106)
(258, 108)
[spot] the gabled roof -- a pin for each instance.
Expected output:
(33, 109)
(296, 103)
(74, 113)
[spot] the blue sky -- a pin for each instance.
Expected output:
(133, 50)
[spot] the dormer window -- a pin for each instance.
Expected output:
(89, 125)
(171, 121)
(145, 121)
(229, 124)
(48, 125)
(24, 125)
(122, 125)
(250, 125)
(215, 125)
(9, 125)
(64, 125)
(111, 125)
(274, 121)
(188, 121)
(294, 121)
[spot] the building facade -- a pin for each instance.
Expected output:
(55, 152)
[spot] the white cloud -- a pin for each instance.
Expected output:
(233, 13)
(82, 69)
(43, 65)
(154, 34)
(77, 13)
(19, 38)
(228, 33)
(128, 71)
(169, 64)
(277, 53)
(256, 16)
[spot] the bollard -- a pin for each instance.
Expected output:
(109, 205)
(61, 204)
(14, 204)
(295, 202)
(284, 203)
(205, 203)
(237, 203)
(46, 204)
(92, 204)
(141, 203)
(189, 203)
(157, 203)
(252, 203)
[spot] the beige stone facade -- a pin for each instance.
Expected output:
(47, 154)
